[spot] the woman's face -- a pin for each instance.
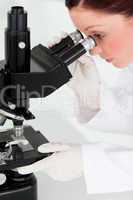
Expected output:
(113, 34)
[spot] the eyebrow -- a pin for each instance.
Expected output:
(92, 26)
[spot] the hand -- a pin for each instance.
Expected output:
(57, 39)
(85, 85)
(64, 164)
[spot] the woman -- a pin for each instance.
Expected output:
(106, 167)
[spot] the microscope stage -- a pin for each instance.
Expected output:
(20, 157)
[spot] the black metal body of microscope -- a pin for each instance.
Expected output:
(26, 74)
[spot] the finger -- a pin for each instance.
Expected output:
(85, 59)
(37, 166)
(63, 34)
(53, 147)
(26, 170)
(49, 44)
(55, 41)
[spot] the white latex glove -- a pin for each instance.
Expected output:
(57, 39)
(64, 164)
(85, 85)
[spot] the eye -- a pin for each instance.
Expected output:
(98, 36)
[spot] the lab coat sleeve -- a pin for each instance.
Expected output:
(85, 85)
(107, 170)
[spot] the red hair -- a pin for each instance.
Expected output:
(124, 7)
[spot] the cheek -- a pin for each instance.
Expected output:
(117, 44)
(119, 47)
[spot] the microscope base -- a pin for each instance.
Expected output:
(19, 187)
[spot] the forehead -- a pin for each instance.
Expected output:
(84, 17)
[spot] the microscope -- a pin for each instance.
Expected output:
(29, 73)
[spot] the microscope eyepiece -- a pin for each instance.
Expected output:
(78, 50)
(88, 43)
(76, 36)
(66, 43)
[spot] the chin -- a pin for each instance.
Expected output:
(120, 65)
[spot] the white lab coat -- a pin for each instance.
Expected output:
(108, 157)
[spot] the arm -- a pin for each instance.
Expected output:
(85, 85)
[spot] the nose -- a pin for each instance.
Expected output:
(96, 51)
